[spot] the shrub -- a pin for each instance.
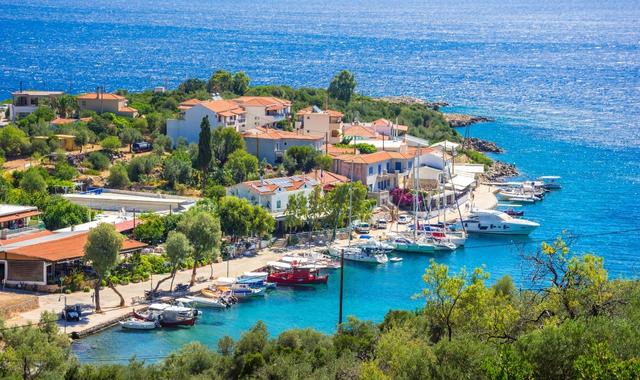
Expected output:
(99, 161)
(86, 289)
(118, 177)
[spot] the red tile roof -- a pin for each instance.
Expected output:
(223, 107)
(68, 246)
(309, 110)
(269, 102)
(278, 134)
(103, 96)
(359, 131)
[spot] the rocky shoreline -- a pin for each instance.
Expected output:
(499, 170)
(483, 146)
(409, 100)
(462, 120)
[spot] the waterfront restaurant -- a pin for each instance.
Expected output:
(42, 257)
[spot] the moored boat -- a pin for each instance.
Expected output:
(138, 324)
(497, 223)
(298, 276)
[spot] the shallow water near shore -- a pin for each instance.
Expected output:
(561, 80)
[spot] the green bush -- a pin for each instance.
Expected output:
(98, 160)
(86, 289)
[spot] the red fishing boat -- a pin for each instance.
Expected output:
(298, 276)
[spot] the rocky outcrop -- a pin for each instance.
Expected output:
(483, 146)
(413, 100)
(499, 170)
(462, 120)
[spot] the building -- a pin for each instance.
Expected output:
(273, 193)
(314, 121)
(388, 128)
(24, 103)
(446, 145)
(264, 111)
(357, 133)
(270, 144)
(221, 113)
(101, 102)
(380, 171)
(328, 180)
(16, 219)
(40, 258)
(117, 200)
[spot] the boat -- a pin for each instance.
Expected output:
(220, 293)
(395, 259)
(152, 313)
(420, 244)
(246, 290)
(550, 182)
(250, 277)
(189, 303)
(497, 223)
(174, 316)
(218, 303)
(511, 212)
(375, 244)
(517, 196)
(138, 324)
(298, 276)
(443, 233)
(364, 254)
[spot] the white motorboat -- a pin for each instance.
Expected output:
(375, 244)
(138, 324)
(395, 259)
(517, 196)
(246, 290)
(420, 244)
(497, 223)
(438, 233)
(550, 182)
(250, 277)
(218, 303)
(360, 254)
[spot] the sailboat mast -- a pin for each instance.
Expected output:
(350, 201)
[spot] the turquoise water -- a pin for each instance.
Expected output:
(562, 80)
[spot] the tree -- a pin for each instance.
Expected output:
(118, 177)
(141, 165)
(203, 160)
(337, 202)
(203, 231)
(35, 351)
(225, 142)
(215, 191)
(303, 158)
(33, 182)
(64, 171)
(13, 141)
(61, 213)
(316, 208)
(240, 83)
(192, 85)
(448, 296)
(176, 170)
(99, 161)
(220, 81)
(151, 229)
(102, 249)
(111, 143)
(178, 250)
(64, 105)
(81, 137)
(241, 165)
(296, 212)
(235, 217)
(262, 222)
(323, 162)
(342, 86)
(129, 136)
(161, 144)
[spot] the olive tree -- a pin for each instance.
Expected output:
(203, 231)
(101, 250)
(178, 249)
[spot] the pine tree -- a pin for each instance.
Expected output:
(203, 161)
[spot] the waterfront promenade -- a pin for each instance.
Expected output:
(483, 197)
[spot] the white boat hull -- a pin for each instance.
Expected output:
(136, 324)
(209, 302)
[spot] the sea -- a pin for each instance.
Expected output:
(560, 79)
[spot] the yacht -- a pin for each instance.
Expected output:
(550, 182)
(361, 253)
(420, 244)
(497, 222)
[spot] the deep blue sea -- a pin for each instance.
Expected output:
(561, 79)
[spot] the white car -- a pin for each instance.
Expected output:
(404, 219)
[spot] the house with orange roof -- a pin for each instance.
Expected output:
(101, 102)
(270, 144)
(379, 171)
(264, 111)
(388, 128)
(273, 193)
(315, 121)
(221, 114)
(42, 257)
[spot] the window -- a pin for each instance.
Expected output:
(399, 166)
(410, 164)
(379, 168)
(370, 170)
(278, 204)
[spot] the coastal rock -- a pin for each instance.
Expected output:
(413, 100)
(499, 170)
(462, 120)
(483, 146)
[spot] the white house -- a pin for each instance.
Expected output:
(221, 113)
(314, 121)
(264, 111)
(273, 193)
(25, 103)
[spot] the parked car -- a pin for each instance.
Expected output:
(141, 146)
(363, 228)
(404, 219)
(381, 224)
(72, 313)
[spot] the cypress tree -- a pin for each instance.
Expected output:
(203, 161)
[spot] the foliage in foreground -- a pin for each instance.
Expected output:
(580, 325)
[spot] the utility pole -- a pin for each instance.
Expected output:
(341, 286)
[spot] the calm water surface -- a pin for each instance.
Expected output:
(561, 79)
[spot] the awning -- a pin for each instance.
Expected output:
(461, 182)
(20, 215)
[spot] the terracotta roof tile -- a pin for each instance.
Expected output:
(278, 134)
(104, 96)
(359, 131)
